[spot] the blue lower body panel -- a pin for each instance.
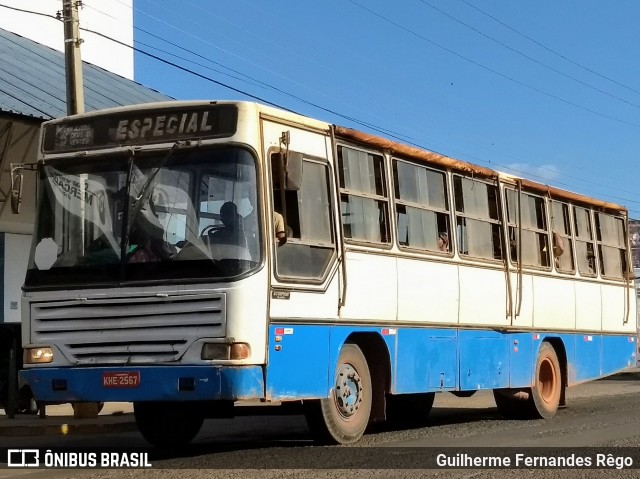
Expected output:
(154, 383)
(303, 360)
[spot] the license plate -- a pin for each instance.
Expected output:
(129, 379)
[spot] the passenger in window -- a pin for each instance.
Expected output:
(251, 220)
(142, 254)
(278, 226)
(443, 241)
(146, 242)
(513, 247)
(591, 261)
(140, 249)
(558, 248)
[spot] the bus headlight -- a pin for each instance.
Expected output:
(38, 355)
(221, 351)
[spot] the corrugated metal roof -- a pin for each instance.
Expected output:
(32, 82)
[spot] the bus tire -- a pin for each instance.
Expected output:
(410, 409)
(547, 387)
(168, 424)
(343, 417)
(540, 401)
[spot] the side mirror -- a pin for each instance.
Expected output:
(293, 169)
(17, 179)
(288, 170)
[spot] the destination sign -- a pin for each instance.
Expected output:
(141, 127)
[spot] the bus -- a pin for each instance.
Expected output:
(156, 275)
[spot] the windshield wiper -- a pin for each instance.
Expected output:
(146, 189)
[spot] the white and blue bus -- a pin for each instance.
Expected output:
(156, 275)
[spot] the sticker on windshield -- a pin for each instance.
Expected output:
(46, 254)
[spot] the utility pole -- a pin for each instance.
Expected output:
(72, 60)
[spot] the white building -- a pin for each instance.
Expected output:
(111, 18)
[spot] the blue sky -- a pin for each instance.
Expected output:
(549, 90)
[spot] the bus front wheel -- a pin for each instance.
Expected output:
(168, 424)
(343, 417)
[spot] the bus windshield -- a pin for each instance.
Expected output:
(167, 216)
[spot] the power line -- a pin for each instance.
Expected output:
(355, 120)
(387, 131)
(550, 50)
(235, 26)
(495, 72)
(243, 92)
(237, 90)
(28, 11)
(525, 174)
(398, 135)
(275, 73)
(524, 55)
(98, 92)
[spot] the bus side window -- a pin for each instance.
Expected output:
(535, 238)
(422, 207)
(477, 220)
(562, 239)
(585, 251)
(311, 244)
(363, 196)
(611, 245)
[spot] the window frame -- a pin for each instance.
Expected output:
(545, 230)
(397, 201)
(570, 236)
(386, 199)
(497, 222)
(286, 279)
(623, 250)
(592, 241)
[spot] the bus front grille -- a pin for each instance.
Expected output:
(128, 330)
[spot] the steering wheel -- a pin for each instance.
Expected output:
(210, 229)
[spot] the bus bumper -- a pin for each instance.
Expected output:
(144, 383)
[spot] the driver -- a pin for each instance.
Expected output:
(232, 231)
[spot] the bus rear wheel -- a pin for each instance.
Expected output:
(547, 388)
(168, 424)
(343, 417)
(540, 401)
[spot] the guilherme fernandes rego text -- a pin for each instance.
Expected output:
(605, 461)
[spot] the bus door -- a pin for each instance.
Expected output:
(304, 287)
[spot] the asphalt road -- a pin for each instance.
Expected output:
(600, 415)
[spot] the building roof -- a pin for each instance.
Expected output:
(32, 82)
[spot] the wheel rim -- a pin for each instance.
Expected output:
(348, 391)
(547, 381)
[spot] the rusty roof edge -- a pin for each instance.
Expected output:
(413, 152)
(475, 170)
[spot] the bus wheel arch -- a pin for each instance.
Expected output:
(378, 359)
